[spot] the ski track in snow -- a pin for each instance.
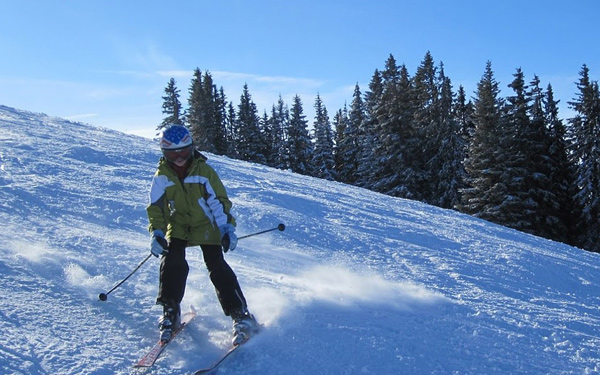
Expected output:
(359, 283)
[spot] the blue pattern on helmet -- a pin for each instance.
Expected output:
(175, 136)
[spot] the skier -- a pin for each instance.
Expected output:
(189, 207)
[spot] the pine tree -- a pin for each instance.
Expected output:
(446, 164)
(250, 145)
(194, 114)
(348, 138)
(548, 220)
(427, 134)
(280, 118)
(518, 207)
(220, 118)
(585, 137)
(171, 106)
(340, 124)
(463, 115)
(514, 188)
(232, 133)
(531, 205)
(267, 127)
(396, 142)
(322, 158)
(368, 140)
(206, 114)
(299, 141)
(484, 164)
(562, 174)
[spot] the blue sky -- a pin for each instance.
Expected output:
(107, 62)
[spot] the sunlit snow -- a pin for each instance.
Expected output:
(358, 283)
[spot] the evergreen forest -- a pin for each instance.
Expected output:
(509, 160)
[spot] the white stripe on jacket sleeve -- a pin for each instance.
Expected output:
(159, 185)
(215, 205)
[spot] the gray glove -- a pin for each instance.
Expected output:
(158, 245)
(228, 238)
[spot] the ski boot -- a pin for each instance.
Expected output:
(169, 322)
(244, 326)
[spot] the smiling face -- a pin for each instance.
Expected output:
(178, 156)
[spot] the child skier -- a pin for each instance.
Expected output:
(189, 207)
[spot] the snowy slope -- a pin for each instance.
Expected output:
(359, 283)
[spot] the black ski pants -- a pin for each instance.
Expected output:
(174, 270)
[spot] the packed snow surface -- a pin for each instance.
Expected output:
(358, 283)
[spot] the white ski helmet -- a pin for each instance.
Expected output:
(176, 143)
(175, 136)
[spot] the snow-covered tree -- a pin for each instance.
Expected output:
(232, 135)
(368, 140)
(250, 144)
(562, 173)
(220, 106)
(322, 158)
(206, 114)
(484, 164)
(268, 131)
(280, 121)
(395, 149)
(348, 138)
(527, 204)
(194, 115)
(427, 134)
(547, 186)
(171, 106)
(446, 163)
(299, 142)
(463, 115)
(584, 134)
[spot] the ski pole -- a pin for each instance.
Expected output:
(280, 227)
(104, 296)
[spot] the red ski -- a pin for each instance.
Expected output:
(153, 354)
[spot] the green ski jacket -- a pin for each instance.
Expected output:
(192, 209)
